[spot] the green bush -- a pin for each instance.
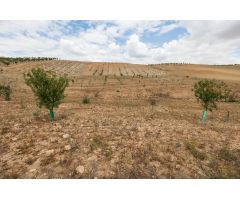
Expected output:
(231, 96)
(152, 101)
(5, 92)
(85, 100)
(209, 92)
(47, 87)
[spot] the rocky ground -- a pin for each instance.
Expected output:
(119, 134)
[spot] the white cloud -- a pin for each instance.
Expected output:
(206, 41)
(136, 48)
(167, 28)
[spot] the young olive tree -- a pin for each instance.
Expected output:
(208, 93)
(47, 87)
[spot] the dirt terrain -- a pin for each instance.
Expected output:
(119, 134)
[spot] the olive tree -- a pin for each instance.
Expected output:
(47, 87)
(208, 93)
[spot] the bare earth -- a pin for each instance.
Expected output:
(119, 134)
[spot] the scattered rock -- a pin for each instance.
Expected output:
(67, 147)
(58, 169)
(57, 127)
(92, 158)
(16, 128)
(53, 140)
(32, 170)
(65, 136)
(80, 169)
(178, 166)
(43, 143)
(49, 152)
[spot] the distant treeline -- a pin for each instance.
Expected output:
(190, 64)
(170, 64)
(9, 60)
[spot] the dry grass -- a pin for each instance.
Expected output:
(195, 152)
(117, 135)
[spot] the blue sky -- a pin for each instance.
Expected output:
(213, 42)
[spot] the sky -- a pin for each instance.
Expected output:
(147, 42)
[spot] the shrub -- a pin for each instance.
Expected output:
(195, 152)
(152, 101)
(208, 93)
(231, 96)
(5, 92)
(85, 100)
(47, 87)
(226, 154)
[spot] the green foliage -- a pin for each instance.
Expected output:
(5, 92)
(85, 100)
(231, 96)
(208, 92)
(47, 87)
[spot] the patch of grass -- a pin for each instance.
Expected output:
(65, 115)
(74, 144)
(85, 100)
(47, 160)
(216, 171)
(136, 162)
(99, 142)
(225, 164)
(130, 104)
(195, 152)
(29, 161)
(5, 92)
(163, 95)
(226, 154)
(152, 101)
(36, 114)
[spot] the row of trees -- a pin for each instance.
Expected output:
(180, 63)
(49, 90)
(9, 60)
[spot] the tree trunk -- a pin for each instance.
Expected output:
(52, 117)
(204, 115)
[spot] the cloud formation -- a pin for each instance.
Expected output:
(210, 42)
